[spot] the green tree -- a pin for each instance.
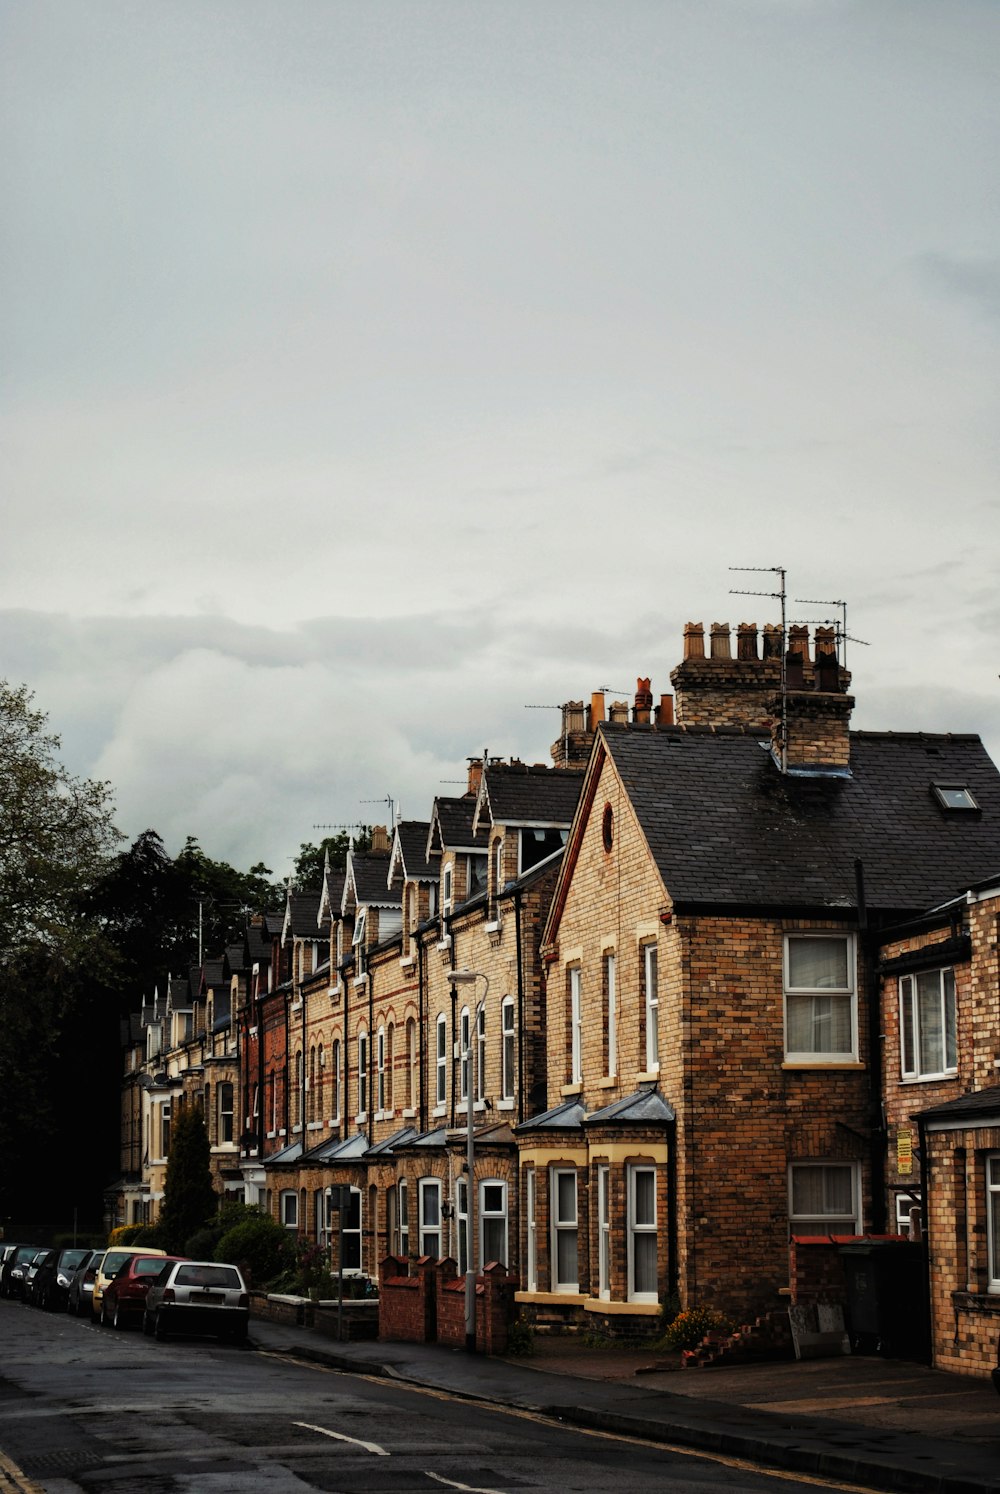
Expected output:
(309, 863)
(189, 1197)
(56, 833)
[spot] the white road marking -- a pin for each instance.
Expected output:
(467, 1488)
(372, 1447)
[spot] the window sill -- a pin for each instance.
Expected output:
(282, 1132)
(439, 1110)
(359, 1120)
(492, 928)
(928, 1078)
(505, 1104)
(648, 1076)
(271, 1135)
(296, 1130)
(334, 1122)
(333, 992)
(296, 1006)
(635, 1309)
(406, 963)
(609, 1083)
(551, 1299)
(845, 1065)
(409, 1114)
(359, 980)
(315, 1126)
(571, 1089)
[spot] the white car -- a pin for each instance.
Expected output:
(198, 1297)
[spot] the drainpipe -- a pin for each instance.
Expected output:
(925, 1219)
(370, 1107)
(305, 1073)
(673, 1265)
(287, 1107)
(454, 1059)
(422, 1077)
(518, 898)
(261, 1095)
(874, 995)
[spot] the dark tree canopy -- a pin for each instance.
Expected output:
(189, 1196)
(309, 863)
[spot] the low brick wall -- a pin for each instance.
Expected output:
(358, 1319)
(406, 1300)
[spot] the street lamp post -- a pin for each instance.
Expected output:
(469, 978)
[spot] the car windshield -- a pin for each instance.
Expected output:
(148, 1266)
(208, 1276)
(71, 1259)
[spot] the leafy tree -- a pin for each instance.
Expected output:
(56, 833)
(309, 863)
(260, 1246)
(225, 896)
(189, 1196)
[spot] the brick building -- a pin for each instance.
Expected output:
(941, 1019)
(714, 1058)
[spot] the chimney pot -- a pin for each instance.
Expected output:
(694, 641)
(773, 643)
(665, 715)
(618, 713)
(596, 709)
(746, 641)
(720, 641)
(798, 642)
(643, 702)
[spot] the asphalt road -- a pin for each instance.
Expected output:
(86, 1408)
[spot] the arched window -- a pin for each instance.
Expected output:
(441, 1061)
(320, 1076)
(389, 1032)
(411, 1064)
(362, 1073)
(380, 1069)
(335, 1081)
(311, 1101)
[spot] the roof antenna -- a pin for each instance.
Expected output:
(773, 570)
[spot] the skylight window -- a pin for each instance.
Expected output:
(954, 796)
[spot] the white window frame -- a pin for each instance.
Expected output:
(845, 994)
(362, 1075)
(380, 1067)
(651, 1000)
(461, 1225)
(508, 1049)
(490, 1215)
(993, 1222)
(641, 1229)
(166, 1113)
(441, 1060)
(447, 888)
(335, 1109)
(912, 1025)
(227, 1112)
(464, 1056)
(604, 1232)
(575, 1025)
(289, 1203)
(430, 1188)
(564, 1226)
(826, 1221)
(403, 1215)
(351, 1239)
(531, 1222)
(480, 1077)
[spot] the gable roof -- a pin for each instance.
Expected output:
(519, 794)
(726, 829)
(451, 829)
(367, 879)
(303, 916)
(409, 853)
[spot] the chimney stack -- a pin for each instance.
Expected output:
(572, 750)
(643, 703)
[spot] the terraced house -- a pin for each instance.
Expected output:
(683, 982)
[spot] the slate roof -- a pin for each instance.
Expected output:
(981, 1107)
(410, 847)
(451, 826)
(569, 1116)
(519, 794)
(302, 916)
(338, 1149)
(398, 1138)
(257, 944)
(646, 1107)
(369, 876)
(725, 827)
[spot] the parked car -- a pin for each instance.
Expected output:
(124, 1300)
(31, 1274)
(7, 1254)
(15, 1257)
(81, 1288)
(50, 1288)
(17, 1268)
(109, 1266)
(198, 1297)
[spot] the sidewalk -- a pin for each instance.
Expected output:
(887, 1424)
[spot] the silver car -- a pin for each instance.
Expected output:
(198, 1297)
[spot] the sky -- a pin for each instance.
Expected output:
(379, 374)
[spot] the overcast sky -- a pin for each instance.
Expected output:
(374, 369)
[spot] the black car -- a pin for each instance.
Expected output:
(50, 1288)
(80, 1293)
(15, 1268)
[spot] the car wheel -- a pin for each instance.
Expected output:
(104, 1315)
(159, 1331)
(147, 1325)
(117, 1320)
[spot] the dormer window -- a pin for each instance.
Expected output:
(954, 796)
(539, 845)
(446, 889)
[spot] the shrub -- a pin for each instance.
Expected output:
(520, 1337)
(259, 1246)
(134, 1234)
(689, 1328)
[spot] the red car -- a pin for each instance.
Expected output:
(124, 1300)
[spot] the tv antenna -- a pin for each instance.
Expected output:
(780, 596)
(840, 623)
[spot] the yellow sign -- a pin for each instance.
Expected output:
(904, 1152)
